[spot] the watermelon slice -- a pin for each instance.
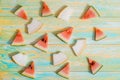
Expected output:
(20, 12)
(34, 26)
(79, 46)
(20, 59)
(42, 44)
(59, 58)
(18, 40)
(29, 71)
(66, 14)
(99, 34)
(65, 71)
(90, 13)
(66, 35)
(94, 66)
(45, 9)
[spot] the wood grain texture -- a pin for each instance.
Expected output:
(54, 76)
(106, 51)
(107, 55)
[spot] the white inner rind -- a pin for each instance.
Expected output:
(20, 59)
(66, 14)
(59, 58)
(34, 26)
(79, 46)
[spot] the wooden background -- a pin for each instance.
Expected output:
(106, 51)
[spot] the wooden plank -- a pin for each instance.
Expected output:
(108, 55)
(102, 7)
(81, 30)
(54, 76)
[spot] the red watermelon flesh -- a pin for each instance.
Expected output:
(90, 13)
(99, 34)
(18, 40)
(42, 43)
(65, 71)
(45, 10)
(29, 71)
(21, 13)
(94, 66)
(66, 35)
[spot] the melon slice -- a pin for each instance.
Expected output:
(19, 39)
(20, 12)
(66, 35)
(45, 9)
(94, 66)
(20, 59)
(42, 44)
(99, 34)
(34, 26)
(65, 71)
(59, 58)
(90, 13)
(29, 71)
(66, 14)
(79, 46)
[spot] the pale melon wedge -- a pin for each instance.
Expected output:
(34, 26)
(59, 58)
(66, 14)
(79, 46)
(20, 59)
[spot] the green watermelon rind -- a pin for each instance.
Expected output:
(87, 9)
(97, 70)
(62, 38)
(63, 75)
(28, 75)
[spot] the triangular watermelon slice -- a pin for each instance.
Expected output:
(59, 58)
(65, 71)
(66, 35)
(66, 14)
(94, 66)
(79, 46)
(29, 71)
(99, 34)
(90, 13)
(42, 44)
(20, 59)
(21, 13)
(18, 40)
(45, 9)
(34, 26)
